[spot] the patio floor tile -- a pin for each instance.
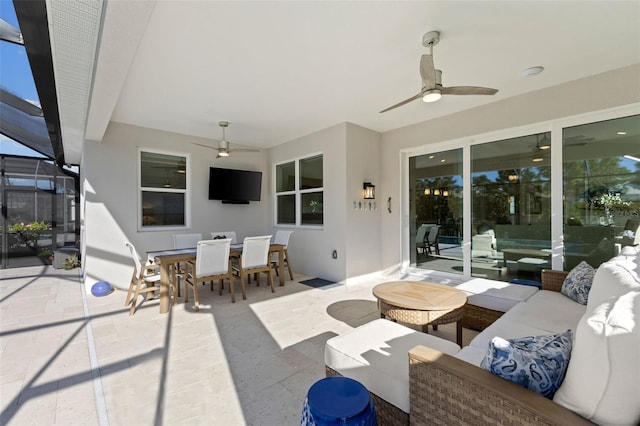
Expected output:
(249, 362)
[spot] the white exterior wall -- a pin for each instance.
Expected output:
(363, 225)
(603, 91)
(310, 247)
(110, 176)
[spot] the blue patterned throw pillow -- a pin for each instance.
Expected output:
(537, 363)
(577, 284)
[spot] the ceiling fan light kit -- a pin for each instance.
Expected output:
(432, 89)
(223, 144)
(432, 95)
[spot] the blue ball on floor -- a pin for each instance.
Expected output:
(101, 288)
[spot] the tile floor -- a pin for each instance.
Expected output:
(251, 362)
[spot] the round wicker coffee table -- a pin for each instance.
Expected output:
(421, 303)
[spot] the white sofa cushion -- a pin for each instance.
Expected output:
(376, 354)
(543, 313)
(472, 355)
(496, 295)
(548, 310)
(603, 378)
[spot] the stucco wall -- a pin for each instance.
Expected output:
(110, 199)
(363, 225)
(310, 247)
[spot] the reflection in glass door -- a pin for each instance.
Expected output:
(601, 172)
(436, 211)
(511, 208)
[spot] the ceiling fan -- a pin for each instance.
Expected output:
(223, 144)
(432, 89)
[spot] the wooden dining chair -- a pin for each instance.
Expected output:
(254, 259)
(282, 237)
(145, 279)
(182, 241)
(225, 234)
(211, 263)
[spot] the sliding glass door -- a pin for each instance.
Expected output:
(511, 208)
(518, 220)
(601, 184)
(436, 209)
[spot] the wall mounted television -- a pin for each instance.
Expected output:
(233, 186)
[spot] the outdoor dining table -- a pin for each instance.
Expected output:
(167, 258)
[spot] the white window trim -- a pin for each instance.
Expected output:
(139, 189)
(297, 192)
(555, 126)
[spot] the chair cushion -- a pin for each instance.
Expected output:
(376, 355)
(496, 295)
(577, 283)
(603, 379)
(538, 363)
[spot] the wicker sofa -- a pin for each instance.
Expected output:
(446, 388)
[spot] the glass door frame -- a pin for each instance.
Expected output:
(554, 126)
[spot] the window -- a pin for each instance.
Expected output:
(299, 192)
(163, 190)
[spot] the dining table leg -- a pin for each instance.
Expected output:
(164, 287)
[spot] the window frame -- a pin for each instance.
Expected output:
(297, 192)
(140, 189)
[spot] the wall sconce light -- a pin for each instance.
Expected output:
(368, 191)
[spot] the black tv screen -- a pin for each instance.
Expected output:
(234, 186)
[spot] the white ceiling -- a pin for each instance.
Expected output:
(280, 70)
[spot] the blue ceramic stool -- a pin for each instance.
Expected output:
(101, 288)
(338, 401)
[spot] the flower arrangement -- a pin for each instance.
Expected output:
(612, 203)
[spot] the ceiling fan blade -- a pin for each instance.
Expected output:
(243, 150)
(427, 71)
(207, 146)
(468, 90)
(406, 101)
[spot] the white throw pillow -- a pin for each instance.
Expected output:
(603, 378)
